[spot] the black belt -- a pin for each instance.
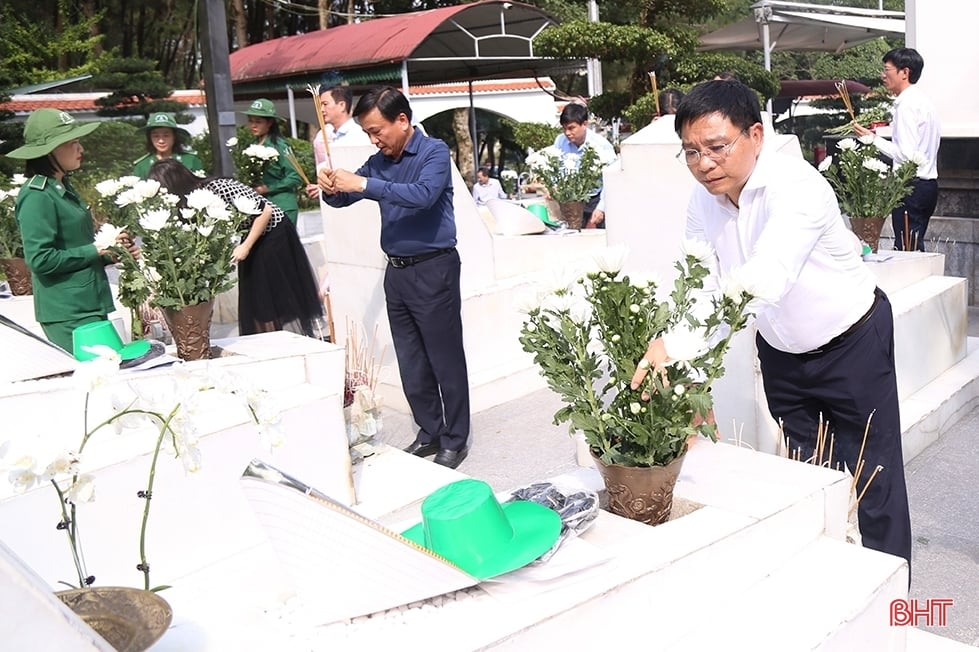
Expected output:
(407, 261)
(852, 329)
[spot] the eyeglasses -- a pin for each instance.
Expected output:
(889, 69)
(716, 153)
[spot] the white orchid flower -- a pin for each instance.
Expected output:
(107, 236)
(684, 343)
(93, 373)
(23, 479)
(82, 490)
(65, 463)
(155, 220)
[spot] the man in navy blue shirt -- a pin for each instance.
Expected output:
(410, 179)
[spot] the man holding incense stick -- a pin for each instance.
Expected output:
(410, 177)
(825, 331)
(915, 135)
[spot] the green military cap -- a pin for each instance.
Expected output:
(45, 129)
(262, 108)
(167, 120)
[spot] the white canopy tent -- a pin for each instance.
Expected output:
(776, 25)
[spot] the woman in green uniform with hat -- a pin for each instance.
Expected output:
(166, 139)
(67, 270)
(280, 181)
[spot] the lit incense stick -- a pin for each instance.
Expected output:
(319, 114)
(299, 168)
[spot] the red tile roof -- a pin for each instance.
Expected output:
(82, 101)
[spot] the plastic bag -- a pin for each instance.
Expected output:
(577, 507)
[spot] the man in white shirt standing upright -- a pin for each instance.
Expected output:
(915, 131)
(336, 104)
(825, 331)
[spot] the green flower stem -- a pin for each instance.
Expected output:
(71, 529)
(164, 429)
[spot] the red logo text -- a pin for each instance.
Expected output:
(930, 613)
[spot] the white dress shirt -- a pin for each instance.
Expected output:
(484, 193)
(915, 129)
(789, 232)
(605, 149)
(350, 134)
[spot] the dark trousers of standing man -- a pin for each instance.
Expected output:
(847, 380)
(424, 308)
(920, 206)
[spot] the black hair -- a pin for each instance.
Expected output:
(388, 100)
(669, 100)
(43, 165)
(908, 58)
(484, 169)
(180, 143)
(176, 178)
(574, 112)
(340, 94)
(727, 75)
(735, 101)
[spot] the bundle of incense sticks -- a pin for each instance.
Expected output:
(845, 96)
(299, 168)
(652, 81)
(319, 115)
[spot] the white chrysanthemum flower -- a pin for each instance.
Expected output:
(579, 312)
(699, 249)
(876, 165)
(18, 179)
(684, 344)
(825, 164)
(3, 194)
(747, 279)
(645, 280)
(201, 198)
(611, 259)
(82, 490)
(188, 214)
(205, 229)
(635, 408)
(128, 197)
(219, 211)
(147, 188)
(247, 205)
(107, 236)
(846, 144)
(108, 188)
(559, 303)
(918, 158)
(170, 199)
(13, 192)
(570, 162)
(129, 180)
(527, 301)
(231, 142)
(867, 139)
(508, 174)
(155, 220)
(150, 274)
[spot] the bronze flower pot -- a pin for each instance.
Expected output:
(191, 330)
(572, 212)
(18, 276)
(640, 493)
(868, 230)
(130, 620)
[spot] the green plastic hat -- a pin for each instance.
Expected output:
(168, 120)
(45, 129)
(465, 523)
(262, 108)
(104, 333)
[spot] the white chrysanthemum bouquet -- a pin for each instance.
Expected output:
(588, 333)
(866, 186)
(568, 177)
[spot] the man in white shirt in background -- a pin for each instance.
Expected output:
(486, 188)
(572, 139)
(915, 132)
(336, 105)
(825, 331)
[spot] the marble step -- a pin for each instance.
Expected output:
(830, 596)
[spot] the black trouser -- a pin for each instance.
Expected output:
(590, 207)
(846, 383)
(424, 308)
(920, 206)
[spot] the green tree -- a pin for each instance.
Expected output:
(137, 88)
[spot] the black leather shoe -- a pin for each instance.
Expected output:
(451, 459)
(423, 449)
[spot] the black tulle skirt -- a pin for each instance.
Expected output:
(277, 288)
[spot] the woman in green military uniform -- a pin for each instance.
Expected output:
(166, 139)
(67, 270)
(280, 181)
